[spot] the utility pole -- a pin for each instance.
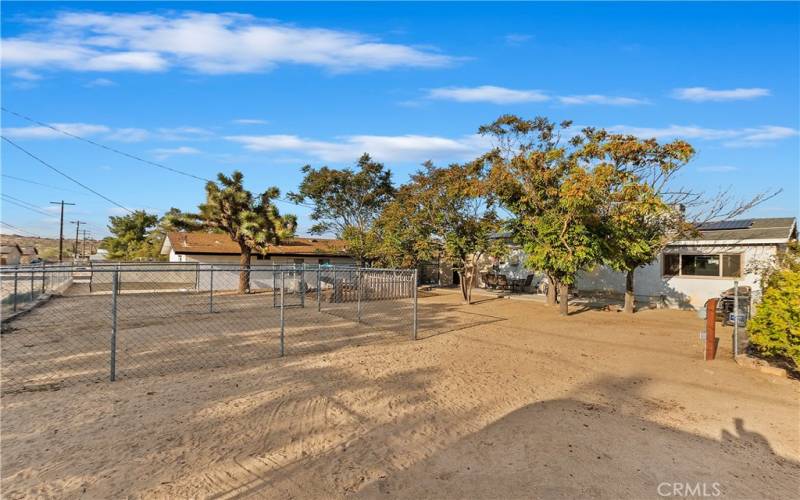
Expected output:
(84, 243)
(77, 231)
(61, 230)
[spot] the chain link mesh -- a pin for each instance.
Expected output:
(101, 322)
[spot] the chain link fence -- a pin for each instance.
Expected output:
(105, 322)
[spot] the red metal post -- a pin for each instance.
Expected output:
(711, 322)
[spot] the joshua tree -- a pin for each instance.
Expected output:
(251, 221)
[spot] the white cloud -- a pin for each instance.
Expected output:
(100, 82)
(26, 74)
(736, 137)
(515, 39)
(124, 134)
(503, 95)
(405, 148)
(129, 135)
(487, 93)
(600, 99)
(202, 42)
(184, 133)
(250, 121)
(39, 132)
(702, 94)
(163, 153)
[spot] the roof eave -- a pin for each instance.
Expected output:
(755, 241)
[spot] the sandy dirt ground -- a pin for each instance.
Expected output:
(502, 399)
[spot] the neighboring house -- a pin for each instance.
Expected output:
(689, 272)
(29, 254)
(10, 255)
(218, 248)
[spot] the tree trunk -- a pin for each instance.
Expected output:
(244, 269)
(630, 301)
(462, 282)
(551, 291)
(563, 292)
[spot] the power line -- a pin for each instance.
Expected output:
(128, 155)
(7, 176)
(23, 204)
(103, 146)
(84, 186)
(36, 207)
(20, 229)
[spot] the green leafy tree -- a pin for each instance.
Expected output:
(553, 193)
(402, 236)
(639, 221)
(447, 211)
(130, 237)
(253, 222)
(347, 202)
(775, 328)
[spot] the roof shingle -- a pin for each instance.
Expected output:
(218, 243)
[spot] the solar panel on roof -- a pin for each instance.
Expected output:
(726, 225)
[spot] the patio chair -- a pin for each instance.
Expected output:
(521, 284)
(491, 280)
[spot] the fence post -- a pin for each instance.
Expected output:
(31, 290)
(282, 318)
(319, 289)
(358, 293)
(414, 292)
(335, 294)
(15, 289)
(43, 287)
(211, 290)
(735, 318)
(114, 284)
(302, 285)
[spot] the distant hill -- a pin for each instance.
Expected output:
(47, 247)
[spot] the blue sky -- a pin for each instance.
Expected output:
(269, 87)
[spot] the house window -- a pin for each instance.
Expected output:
(715, 265)
(732, 265)
(672, 264)
(699, 265)
(324, 262)
(298, 261)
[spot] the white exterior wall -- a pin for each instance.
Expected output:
(680, 291)
(254, 261)
(512, 265)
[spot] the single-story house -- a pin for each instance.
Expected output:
(10, 255)
(218, 248)
(687, 272)
(29, 254)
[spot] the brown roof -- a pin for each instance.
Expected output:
(29, 251)
(8, 248)
(218, 243)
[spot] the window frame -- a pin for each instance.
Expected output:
(720, 275)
